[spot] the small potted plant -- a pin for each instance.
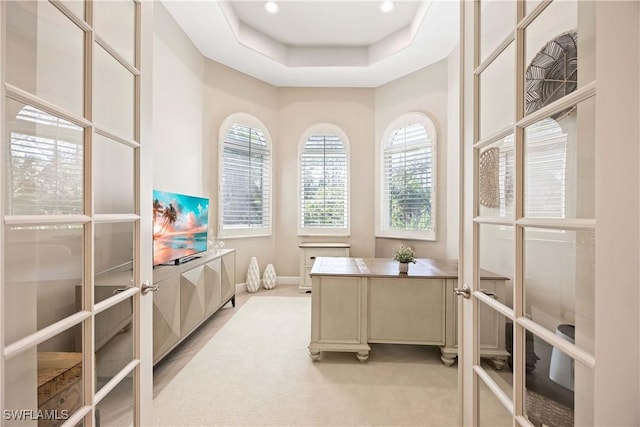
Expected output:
(404, 256)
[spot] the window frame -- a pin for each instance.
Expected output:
(248, 120)
(383, 229)
(324, 129)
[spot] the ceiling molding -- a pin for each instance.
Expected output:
(220, 35)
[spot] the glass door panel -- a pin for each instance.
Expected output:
(46, 378)
(116, 409)
(497, 19)
(560, 164)
(497, 88)
(113, 94)
(560, 281)
(115, 23)
(497, 259)
(492, 412)
(497, 178)
(113, 174)
(113, 341)
(45, 156)
(45, 53)
(43, 277)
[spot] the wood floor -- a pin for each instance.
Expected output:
(173, 362)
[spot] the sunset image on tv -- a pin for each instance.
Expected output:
(179, 226)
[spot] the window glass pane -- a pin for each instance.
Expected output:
(113, 258)
(45, 53)
(559, 391)
(496, 258)
(492, 411)
(246, 179)
(559, 281)
(497, 20)
(114, 191)
(45, 157)
(113, 94)
(408, 185)
(116, 409)
(113, 341)
(497, 84)
(497, 178)
(48, 379)
(43, 277)
(114, 22)
(323, 172)
(560, 164)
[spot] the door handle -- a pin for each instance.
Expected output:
(147, 286)
(465, 291)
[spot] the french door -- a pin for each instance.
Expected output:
(76, 206)
(540, 166)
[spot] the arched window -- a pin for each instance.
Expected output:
(324, 182)
(245, 177)
(407, 187)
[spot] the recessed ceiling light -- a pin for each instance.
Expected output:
(271, 6)
(387, 6)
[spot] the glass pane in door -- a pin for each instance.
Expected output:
(45, 378)
(45, 158)
(492, 412)
(113, 170)
(560, 164)
(496, 181)
(559, 282)
(497, 19)
(117, 408)
(496, 347)
(497, 89)
(115, 23)
(43, 277)
(497, 261)
(113, 258)
(113, 94)
(113, 341)
(45, 53)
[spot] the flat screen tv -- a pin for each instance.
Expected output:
(180, 225)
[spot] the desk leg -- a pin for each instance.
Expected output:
(362, 356)
(448, 357)
(315, 355)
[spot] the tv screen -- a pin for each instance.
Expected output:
(180, 225)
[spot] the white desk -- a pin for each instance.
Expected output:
(357, 301)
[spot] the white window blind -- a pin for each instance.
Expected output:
(324, 200)
(408, 179)
(245, 179)
(45, 165)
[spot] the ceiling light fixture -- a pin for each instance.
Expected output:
(387, 6)
(271, 6)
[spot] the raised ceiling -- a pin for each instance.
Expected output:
(321, 43)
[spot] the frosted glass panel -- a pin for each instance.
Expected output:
(45, 163)
(113, 91)
(48, 379)
(496, 184)
(45, 53)
(114, 176)
(113, 341)
(559, 281)
(497, 20)
(492, 412)
(560, 164)
(496, 258)
(497, 108)
(43, 277)
(113, 258)
(115, 24)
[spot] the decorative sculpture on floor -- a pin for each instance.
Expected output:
(253, 276)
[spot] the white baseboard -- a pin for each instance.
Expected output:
(280, 280)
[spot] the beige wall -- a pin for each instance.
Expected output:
(425, 91)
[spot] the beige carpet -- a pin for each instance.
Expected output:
(256, 371)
